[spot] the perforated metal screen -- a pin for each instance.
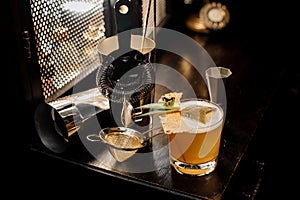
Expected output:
(66, 34)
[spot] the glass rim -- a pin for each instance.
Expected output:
(219, 121)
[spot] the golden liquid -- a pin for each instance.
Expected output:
(188, 147)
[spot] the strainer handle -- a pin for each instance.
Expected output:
(93, 138)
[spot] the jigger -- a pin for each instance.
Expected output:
(216, 81)
(58, 121)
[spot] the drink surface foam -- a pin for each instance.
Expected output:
(193, 124)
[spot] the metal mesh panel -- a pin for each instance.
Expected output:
(66, 34)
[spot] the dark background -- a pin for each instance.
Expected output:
(270, 30)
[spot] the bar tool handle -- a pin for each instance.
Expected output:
(123, 14)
